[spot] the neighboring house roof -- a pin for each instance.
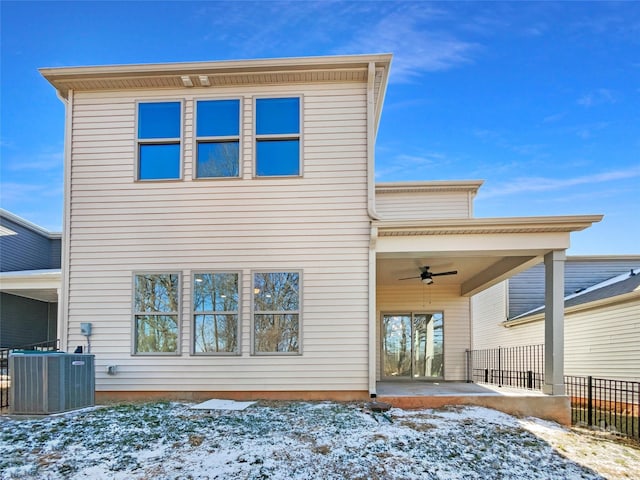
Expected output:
(613, 288)
(26, 224)
(526, 289)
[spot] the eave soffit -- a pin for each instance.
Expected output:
(506, 225)
(348, 68)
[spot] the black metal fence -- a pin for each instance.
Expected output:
(5, 381)
(613, 405)
(520, 367)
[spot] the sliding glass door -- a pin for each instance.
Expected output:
(412, 346)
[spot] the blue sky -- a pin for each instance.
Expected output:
(541, 100)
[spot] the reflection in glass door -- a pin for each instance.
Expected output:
(412, 346)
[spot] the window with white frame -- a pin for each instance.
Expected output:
(277, 125)
(215, 312)
(158, 140)
(217, 138)
(156, 308)
(276, 312)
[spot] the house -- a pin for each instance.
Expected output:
(224, 236)
(602, 315)
(29, 282)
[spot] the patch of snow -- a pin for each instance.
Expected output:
(295, 440)
(215, 404)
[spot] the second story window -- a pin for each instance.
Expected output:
(218, 138)
(277, 137)
(159, 132)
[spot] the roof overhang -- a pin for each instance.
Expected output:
(42, 285)
(485, 251)
(216, 73)
(471, 186)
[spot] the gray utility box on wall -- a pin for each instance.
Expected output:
(50, 382)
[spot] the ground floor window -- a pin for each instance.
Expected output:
(156, 308)
(215, 312)
(276, 312)
(413, 345)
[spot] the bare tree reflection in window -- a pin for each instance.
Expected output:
(156, 306)
(276, 308)
(215, 305)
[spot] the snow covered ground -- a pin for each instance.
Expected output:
(272, 440)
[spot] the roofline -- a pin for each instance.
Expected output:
(429, 186)
(60, 74)
(571, 223)
(31, 226)
(27, 274)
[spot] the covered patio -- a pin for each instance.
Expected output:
(479, 253)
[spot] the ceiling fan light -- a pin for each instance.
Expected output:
(427, 280)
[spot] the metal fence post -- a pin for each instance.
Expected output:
(589, 401)
(499, 366)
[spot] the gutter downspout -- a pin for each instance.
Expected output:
(63, 300)
(372, 312)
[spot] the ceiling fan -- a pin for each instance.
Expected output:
(426, 276)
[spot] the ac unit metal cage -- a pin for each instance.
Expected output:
(50, 382)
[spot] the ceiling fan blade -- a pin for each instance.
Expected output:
(408, 278)
(452, 272)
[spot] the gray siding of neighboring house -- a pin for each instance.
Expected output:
(526, 290)
(24, 321)
(27, 249)
(55, 253)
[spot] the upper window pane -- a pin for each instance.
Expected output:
(276, 291)
(277, 116)
(159, 120)
(215, 292)
(218, 118)
(159, 161)
(156, 292)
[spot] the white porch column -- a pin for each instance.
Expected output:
(554, 323)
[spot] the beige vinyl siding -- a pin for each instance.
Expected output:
(489, 310)
(423, 205)
(419, 298)
(316, 224)
(601, 342)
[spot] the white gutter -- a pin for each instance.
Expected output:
(63, 296)
(371, 142)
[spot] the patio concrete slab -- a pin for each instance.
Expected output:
(523, 403)
(409, 389)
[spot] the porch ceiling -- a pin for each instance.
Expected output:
(483, 251)
(475, 273)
